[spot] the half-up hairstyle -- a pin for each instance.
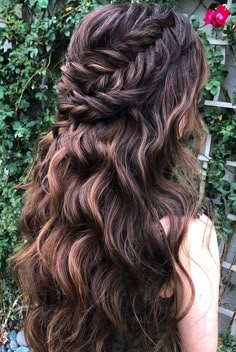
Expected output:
(95, 257)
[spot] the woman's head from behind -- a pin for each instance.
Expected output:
(117, 161)
(127, 61)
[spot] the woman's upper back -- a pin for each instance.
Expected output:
(199, 255)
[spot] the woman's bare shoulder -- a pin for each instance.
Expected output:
(202, 235)
(199, 255)
(201, 228)
(200, 241)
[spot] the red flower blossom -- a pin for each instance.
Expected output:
(208, 16)
(218, 17)
(222, 13)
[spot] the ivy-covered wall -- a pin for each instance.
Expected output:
(34, 35)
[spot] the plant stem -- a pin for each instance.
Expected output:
(10, 310)
(233, 54)
(202, 26)
(30, 79)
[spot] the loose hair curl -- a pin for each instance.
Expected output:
(95, 257)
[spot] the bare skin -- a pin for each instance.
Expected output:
(199, 255)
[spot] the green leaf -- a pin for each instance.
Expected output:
(213, 91)
(233, 98)
(234, 206)
(18, 10)
(218, 53)
(215, 83)
(228, 230)
(195, 21)
(208, 86)
(225, 185)
(43, 4)
(32, 2)
(232, 197)
(1, 92)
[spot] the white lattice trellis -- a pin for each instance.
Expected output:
(204, 157)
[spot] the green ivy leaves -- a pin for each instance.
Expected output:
(212, 86)
(43, 4)
(227, 343)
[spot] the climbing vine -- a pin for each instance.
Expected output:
(220, 121)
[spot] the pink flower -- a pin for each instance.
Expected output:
(222, 13)
(208, 16)
(218, 17)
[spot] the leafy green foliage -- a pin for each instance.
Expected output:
(227, 343)
(222, 126)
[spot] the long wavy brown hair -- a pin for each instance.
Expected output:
(95, 257)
